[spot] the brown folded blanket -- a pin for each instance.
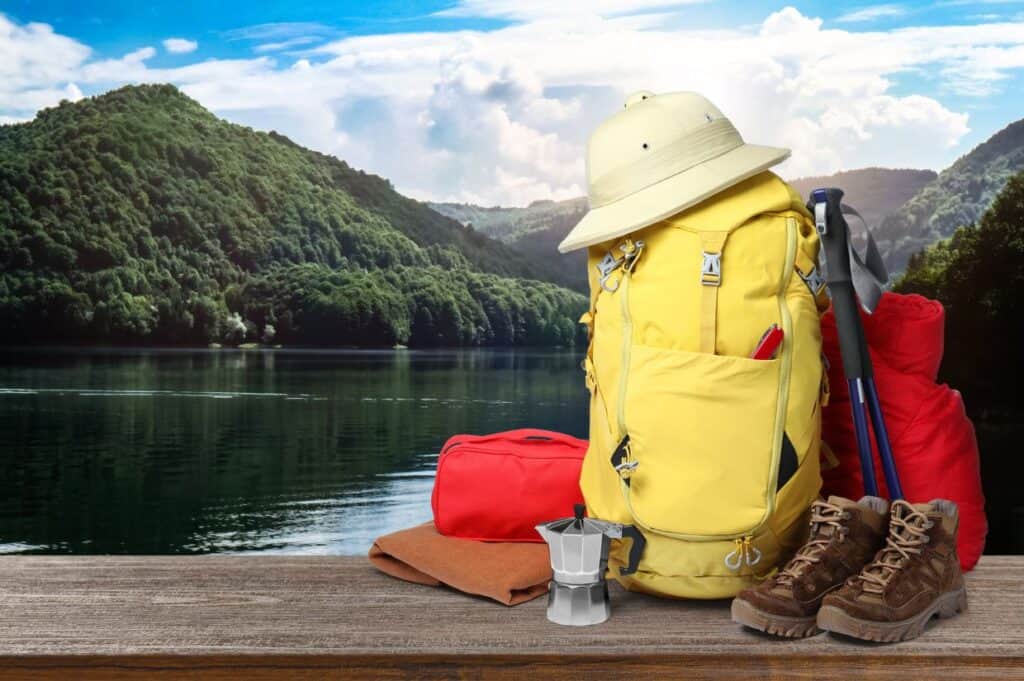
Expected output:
(510, 573)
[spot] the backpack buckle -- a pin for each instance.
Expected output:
(625, 468)
(813, 279)
(622, 462)
(609, 263)
(711, 269)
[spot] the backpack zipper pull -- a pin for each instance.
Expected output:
(631, 253)
(744, 553)
(751, 554)
(734, 559)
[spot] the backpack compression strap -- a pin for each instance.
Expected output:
(869, 273)
(710, 278)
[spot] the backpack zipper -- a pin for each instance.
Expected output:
(632, 254)
(627, 347)
(786, 360)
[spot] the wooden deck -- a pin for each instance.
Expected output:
(323, 617)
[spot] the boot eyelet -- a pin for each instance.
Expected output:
(846, 515)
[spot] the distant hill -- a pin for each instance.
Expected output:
(140, 217)
(512, 224)
(874, 192)
(535, 231)
(907, 209)
(958, 196)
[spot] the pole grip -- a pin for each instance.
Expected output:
(834, 233)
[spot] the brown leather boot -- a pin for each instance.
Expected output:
(916, 576)
(844, 536)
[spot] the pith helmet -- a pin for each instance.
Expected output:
(659, 156)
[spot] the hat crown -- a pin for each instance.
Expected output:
(654, 137)
(663, 154)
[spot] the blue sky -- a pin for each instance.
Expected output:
(490, 100)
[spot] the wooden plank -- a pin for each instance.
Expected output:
(317, 617)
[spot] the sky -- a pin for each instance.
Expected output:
(491, 101)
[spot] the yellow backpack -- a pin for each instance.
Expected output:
(711, 454)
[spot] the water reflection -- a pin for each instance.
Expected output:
(141, 451)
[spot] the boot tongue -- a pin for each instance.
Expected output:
(827, 530)
(907, 511)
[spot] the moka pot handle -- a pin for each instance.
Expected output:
(636, 549)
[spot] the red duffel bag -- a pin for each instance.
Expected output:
(932, 438)
(498, 487)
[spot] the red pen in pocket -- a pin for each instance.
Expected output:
(769, 343)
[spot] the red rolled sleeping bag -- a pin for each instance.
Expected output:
(932, 439)
(499, 487)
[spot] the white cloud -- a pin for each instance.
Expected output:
(277, 31)
(37, 67)
(961, 3)
(502, 116)
(286, 44)
(546, 9)
(140, 55)
(180, 45)
(872, 13)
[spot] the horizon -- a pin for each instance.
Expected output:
(506, 206)
(490, 103)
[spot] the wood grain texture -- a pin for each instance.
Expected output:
(330, 617)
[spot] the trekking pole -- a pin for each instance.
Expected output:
(826, 204)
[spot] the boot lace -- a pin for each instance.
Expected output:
(908, 533)
(823, 515)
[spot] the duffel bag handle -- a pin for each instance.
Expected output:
(520, 435)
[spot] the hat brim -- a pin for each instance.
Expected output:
(672, 195)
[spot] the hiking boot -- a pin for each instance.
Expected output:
(917, 575)
(844, 536)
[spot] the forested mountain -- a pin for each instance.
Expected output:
(874, 192)
(138, 216)
(958, 196)
(534, 231)
(512, 224)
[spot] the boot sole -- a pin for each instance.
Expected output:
(838, 621)
(777, 625)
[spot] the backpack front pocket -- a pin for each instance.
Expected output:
(704, 434)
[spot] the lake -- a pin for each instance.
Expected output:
(232, 451)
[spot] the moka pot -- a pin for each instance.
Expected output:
(578, 546)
